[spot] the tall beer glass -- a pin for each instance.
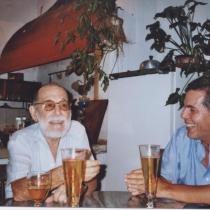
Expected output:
(150, 156)
(74, 173)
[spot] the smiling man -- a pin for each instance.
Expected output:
(185, 167)
(38, 147)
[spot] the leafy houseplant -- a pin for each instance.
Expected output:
(102, 29)
(185, 47)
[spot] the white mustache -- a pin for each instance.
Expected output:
(56, 118)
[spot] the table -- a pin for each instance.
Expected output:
(110, 199)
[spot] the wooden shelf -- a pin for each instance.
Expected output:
(135, 73)
(19, 91)
(6, 106)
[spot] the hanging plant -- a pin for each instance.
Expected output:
(102, 29)
(185, 47)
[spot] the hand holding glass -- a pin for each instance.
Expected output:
(39, 184)
(74, 173)
(150, 156)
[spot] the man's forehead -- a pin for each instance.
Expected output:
(52, 92)
(194, 97)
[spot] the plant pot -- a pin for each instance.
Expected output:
(208, 48)
(83, 102)
(183, 61)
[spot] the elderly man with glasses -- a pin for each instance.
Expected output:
(38, 147)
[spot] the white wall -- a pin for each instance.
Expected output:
(136, 115)
(13, 16)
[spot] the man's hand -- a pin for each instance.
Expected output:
(135, 182)
(91, 170)
(58, 195)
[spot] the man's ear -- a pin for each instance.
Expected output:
(33, 113)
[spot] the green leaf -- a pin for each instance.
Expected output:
(57, 38)
(181, 100)
(206, 25)
(173, 97)
(70, 37)
(90, 64)
(171, 13)
(63, 46)
(93, 6)
(84, 25)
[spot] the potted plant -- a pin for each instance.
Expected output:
(186, 42)
(102, 29)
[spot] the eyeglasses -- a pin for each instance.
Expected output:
(49, 105)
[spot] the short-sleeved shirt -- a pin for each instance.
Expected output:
(28, 149)
(181, 161)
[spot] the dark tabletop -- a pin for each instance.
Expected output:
(112, 199)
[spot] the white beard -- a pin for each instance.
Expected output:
(51, 133)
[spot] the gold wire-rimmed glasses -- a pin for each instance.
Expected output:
(50, 105)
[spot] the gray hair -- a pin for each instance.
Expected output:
(69, 95)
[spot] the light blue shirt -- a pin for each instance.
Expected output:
(28, 149)
(181, 162)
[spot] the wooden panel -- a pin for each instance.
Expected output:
(33, 44)
(94, 115)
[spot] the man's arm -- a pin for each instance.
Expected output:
(19, 187)
(185, 193)
(165, 189)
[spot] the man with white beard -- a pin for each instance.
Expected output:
(38, 147)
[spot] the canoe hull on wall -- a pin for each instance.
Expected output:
(34, 43)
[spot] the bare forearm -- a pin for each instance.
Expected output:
(57, 177)
(184, 193)
(20, 186)
(20, 190)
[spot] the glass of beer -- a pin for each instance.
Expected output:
(150, 156)
(74, 173)
(39, 184)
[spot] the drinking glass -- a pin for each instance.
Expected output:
(150, 156)
(74, 173)
(39, 184)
